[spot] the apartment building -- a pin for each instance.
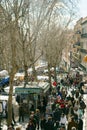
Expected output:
(83, 49)
(66, 51)
(80, 43)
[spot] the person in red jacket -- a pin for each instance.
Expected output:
(54, 83)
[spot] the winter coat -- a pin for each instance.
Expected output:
(72, 124)
(49, 125)
(30, 126)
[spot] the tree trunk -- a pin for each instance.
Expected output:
(26, 75)
(9, 121)
(34, 72)
(49, 74)
(55, 74)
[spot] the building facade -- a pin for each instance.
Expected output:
(80, 43)
(83, 49)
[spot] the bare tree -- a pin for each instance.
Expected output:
(54, 34)
(23, 24)
(23, 21)
(12, 11)
(38, 13)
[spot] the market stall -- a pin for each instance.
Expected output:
(31, 93)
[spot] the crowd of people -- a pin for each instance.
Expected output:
(63, 109)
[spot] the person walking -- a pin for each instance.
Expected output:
(37, 117)
(72, 124)
(49, 125)
(30, 125)
(42, 123)
(21, 113)
(80, 124)
(63, 120)
(56, 116)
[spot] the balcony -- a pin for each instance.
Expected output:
(78, 32)
(76, 57)
(77, 44)
(83, 67)
(83, 51)
(84, 35)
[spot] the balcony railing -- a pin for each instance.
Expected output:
(83, 51)
(76, 57)
(84, 35)
(78, 32)
(76, 44)
(83, 67)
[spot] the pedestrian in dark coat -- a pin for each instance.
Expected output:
(32, 117)
(80, 124)
(42, 123)
(72, 124)
(32, 108)
(49, 124)
(57, 114)
(37, 117)
(30, 125)
(21, 113)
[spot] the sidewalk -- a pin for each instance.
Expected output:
(18, 125)
(22, 125)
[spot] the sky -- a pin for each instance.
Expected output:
(83, 8)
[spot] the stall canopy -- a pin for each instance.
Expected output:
(33, 88)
